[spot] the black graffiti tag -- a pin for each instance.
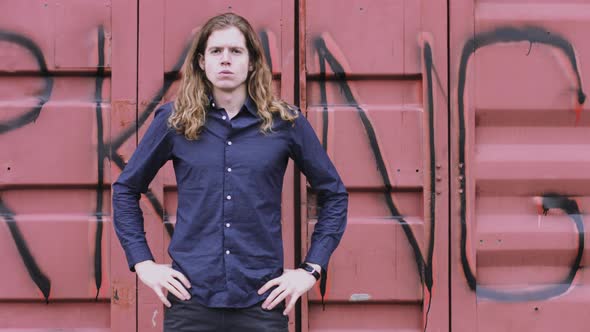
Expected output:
(550, 200)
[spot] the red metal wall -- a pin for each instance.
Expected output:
(371, 97)
(519, 142)
(55, 115)
(446, 226)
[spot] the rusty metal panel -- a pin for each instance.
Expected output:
(123, 141)
(371, 95)
(519, 165)
(377, 103)
(166, 28)
(55, 113)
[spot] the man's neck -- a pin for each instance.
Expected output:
(231, 101)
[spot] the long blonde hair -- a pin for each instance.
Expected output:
(192, 97)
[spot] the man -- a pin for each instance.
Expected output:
(230, 140)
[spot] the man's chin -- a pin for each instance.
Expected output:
(227, 87)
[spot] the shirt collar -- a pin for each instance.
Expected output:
(249, 104)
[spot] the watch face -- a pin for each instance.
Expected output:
(309, 269)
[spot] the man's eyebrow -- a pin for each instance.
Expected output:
(228, 46)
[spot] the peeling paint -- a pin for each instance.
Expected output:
(154, 318)
(359, 297)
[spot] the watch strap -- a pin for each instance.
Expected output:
(309, 269)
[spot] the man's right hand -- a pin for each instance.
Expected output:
(162, 276)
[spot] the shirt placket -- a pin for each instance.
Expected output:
(228, 195)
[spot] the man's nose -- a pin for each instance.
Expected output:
(225, 57)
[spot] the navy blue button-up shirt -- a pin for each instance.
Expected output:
(227, 239)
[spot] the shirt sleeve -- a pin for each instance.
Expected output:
(313, 161)
(153, 151)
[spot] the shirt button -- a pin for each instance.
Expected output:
(228, 197)
(224, 117)
(229, 169)
(228, 142)
(227, 252)
(227, 225)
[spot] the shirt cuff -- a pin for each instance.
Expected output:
(138, 253)
(317, 254)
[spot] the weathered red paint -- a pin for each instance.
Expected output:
(517, 76)
(378, 113)
(55, 225)
(374, 70)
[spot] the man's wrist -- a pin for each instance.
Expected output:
(312, 269)
(316, 267)
(143, 263)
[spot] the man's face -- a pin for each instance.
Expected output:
(226, 60)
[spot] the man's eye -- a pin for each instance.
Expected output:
(215, 51)
(237, 51)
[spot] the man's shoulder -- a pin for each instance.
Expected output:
(280, 123)
(291, 109)
(164, 110)
(294, 110)
(161, 115)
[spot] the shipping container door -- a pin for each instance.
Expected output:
(375, 92)
(519, 165)
(56, 108)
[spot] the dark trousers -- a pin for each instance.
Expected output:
(190, 316)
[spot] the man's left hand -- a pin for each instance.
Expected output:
(291, 285)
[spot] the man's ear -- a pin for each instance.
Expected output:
(201, 61)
